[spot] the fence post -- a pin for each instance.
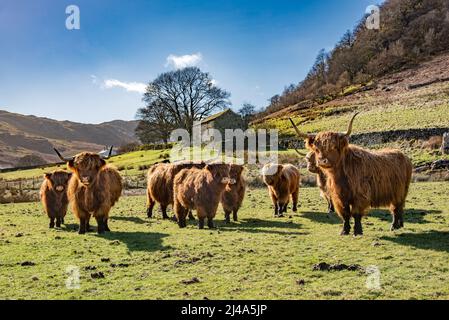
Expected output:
(445, 144)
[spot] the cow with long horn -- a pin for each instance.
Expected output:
(358, 179)
(94, 188)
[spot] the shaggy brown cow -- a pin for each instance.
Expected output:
(200, 189)
(321, 179)
(160, 185)
(233, 195)
(93, 190)
(282, 181)
(358, 178)
(53, 194)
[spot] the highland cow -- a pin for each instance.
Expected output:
(93, 190)
(282, 181)
(160, 185)
(358, 179)
(200, 189)
(321, 180)
(53, 194)
(233, 195)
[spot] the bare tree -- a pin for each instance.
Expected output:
(247, 112)
(177, 98)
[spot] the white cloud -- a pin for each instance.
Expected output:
(188, 60)
(128, 86)
(214, 82)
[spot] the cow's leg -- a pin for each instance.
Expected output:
(180, 213)
(284, 208)
(83, 224)
(202, 215)
(234, 215)
(58, 222)
(330, 206)
(191, 217)
(397, 212)
(88, 228)
(106, 226)
(52, 223)
(358, 230)
(346, 221)
(201, 223)
(164, 211)
(228, 216)
(295, 201)
(275, 204)
(150, 206)
(101, 225)
(210, 222)
(62, 220)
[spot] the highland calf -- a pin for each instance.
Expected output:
(321, 180)
(282, 181)
(358, 179)
(200, 189)
(53, 194)
(160, 185)
(94, 188)
(233, 195)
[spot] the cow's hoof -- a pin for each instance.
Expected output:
(393, 227)
(344, 232)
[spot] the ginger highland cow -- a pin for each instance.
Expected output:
(358, 179)
(93, 190)
(53, 194)
(200, 189)
(282, 182)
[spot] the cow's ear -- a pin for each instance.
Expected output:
(344, 142)
(280, 167)
(47, 176)
(102, 163)
(71, 164)
(310, 140)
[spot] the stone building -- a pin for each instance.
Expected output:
(221, 121)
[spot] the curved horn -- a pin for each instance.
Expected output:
(299, 133)
(300, 153)
(109, 154)
(61, 157)
(348, 132)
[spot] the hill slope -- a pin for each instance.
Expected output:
(23, 135)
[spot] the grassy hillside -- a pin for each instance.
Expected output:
(259, 257)
(23, 135)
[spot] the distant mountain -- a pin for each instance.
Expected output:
(22, 135)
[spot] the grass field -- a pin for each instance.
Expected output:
(260, 257)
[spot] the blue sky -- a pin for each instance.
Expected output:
(253, 49)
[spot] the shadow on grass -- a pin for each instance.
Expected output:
(321, 217)
(262, 226)
(137, 220)
(138, 241)
(430, 240)
(410, 215)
